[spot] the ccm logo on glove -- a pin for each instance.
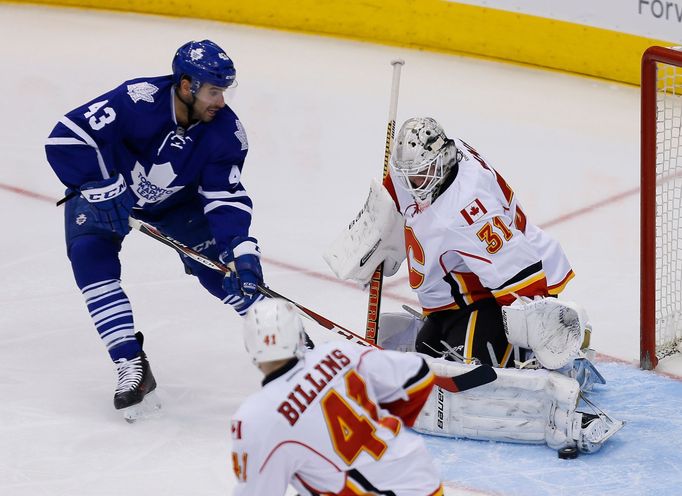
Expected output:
(104, 193)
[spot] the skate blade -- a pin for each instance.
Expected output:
(613, 427)
(149, 407)
(587, 374)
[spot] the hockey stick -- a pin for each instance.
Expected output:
(377, 281)
(482, 374)
(185, 250)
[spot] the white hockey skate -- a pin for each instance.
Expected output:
(595, 430)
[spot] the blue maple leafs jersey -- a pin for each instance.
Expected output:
(132, 130)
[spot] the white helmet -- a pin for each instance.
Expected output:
(422, 157)
(273, 331)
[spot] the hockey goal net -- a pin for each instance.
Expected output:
(661, 206)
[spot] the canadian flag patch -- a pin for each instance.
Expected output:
(473, 211)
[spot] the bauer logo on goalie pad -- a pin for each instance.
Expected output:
(473, 211)
(440, 408)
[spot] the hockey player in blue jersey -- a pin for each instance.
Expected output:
(169, 151)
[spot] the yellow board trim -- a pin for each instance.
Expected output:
(431, 24)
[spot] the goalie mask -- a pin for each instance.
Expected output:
(422, 158)
(273, 331)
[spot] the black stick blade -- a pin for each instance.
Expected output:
(483, 374)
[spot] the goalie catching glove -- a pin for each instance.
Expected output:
(553, 329)
(375, 236)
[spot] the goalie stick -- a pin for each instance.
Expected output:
(377, 281)
(479, 376)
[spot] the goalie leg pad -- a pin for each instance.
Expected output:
(526, 406)
(553, 329)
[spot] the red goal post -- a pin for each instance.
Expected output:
(661, 205)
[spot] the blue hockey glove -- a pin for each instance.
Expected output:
(111, 202)
(247, 273)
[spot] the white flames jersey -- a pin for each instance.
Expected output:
(474, 242)
(330, 424)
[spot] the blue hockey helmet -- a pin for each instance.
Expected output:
(204, 62)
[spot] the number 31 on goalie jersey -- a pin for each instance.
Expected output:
(491, 238)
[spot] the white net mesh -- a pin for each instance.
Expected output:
(668, 210)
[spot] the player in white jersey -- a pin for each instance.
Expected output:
(470, 247)
(485, 278)
(474, 260)
(330, 420)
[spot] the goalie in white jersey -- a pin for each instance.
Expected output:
(330, 420)
(470, 249)
(485, 278)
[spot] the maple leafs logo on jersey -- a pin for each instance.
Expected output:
(142, 91)
(153, 187)
(473, 211)
(240, 133)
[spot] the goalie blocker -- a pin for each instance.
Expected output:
(375, 236)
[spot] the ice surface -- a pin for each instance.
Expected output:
(315, 111)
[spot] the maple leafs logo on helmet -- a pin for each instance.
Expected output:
(196, 54)
(203, 62)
